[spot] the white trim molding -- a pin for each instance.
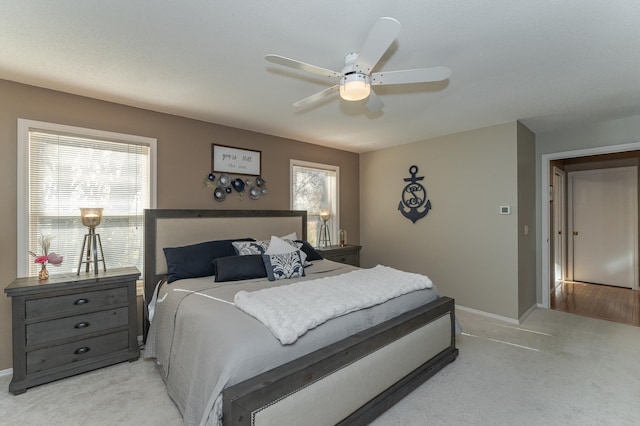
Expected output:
(488, 314)
(24, 126)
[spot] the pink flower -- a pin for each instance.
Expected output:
(54, 258)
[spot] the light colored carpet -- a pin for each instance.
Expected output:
(555, 369)
(122, 394)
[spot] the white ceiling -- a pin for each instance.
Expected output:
(550, 64)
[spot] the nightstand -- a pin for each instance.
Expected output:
(70, 324)
(349, 254)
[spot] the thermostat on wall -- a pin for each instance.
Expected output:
(505, 209)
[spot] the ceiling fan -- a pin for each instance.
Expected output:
(355, 78)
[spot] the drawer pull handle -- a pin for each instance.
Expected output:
(81, 351)
(82, 324)
(82, 301)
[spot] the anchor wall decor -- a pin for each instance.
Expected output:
(414, 204)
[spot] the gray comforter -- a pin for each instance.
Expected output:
(202, 343)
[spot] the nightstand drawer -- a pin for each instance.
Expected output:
(349, 254)
(349, 259)
(77, 302)
(50, 331)
(81, 350)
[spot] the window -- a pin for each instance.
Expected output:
(314, 187)
(63, 168)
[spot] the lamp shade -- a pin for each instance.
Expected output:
(354, 87)
(325, 215)
(91, 217)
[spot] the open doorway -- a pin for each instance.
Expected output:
(589, 292)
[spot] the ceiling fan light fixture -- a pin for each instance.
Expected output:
(354, 87)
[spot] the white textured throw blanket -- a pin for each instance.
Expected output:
(291, 310)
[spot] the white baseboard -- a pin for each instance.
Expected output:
(488, 314)
(529, 312)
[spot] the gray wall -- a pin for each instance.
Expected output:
(526, 219)
(464, 244)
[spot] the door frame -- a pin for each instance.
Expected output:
(559, 197)
(545, 194)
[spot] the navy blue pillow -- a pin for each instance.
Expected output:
(195, 260)
(235, 268)
(311, 253)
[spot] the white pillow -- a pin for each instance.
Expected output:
(280, 246)
(292, 236)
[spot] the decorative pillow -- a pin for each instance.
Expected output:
(195, 260)
(292, 236)
(281, 246)
(244, 248)
(293, 243)
(282, 266)
(311, 253)
(235, 268)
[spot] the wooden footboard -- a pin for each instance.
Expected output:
(351, 381)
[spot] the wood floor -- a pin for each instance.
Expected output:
(595, 300)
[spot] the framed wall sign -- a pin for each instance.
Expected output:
(226, 159)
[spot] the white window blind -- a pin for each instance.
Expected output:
(67, 171)
(314, 187)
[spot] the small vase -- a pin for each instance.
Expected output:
(43, 275)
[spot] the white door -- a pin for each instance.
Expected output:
(603, 220)
(559, 224)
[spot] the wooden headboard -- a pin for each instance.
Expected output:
(175, 228)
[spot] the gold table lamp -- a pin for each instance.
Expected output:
(91, 218)
(324, 239)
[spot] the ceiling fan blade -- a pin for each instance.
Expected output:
(292, 63)
(384, 31)
(420, 75)
(317, 96)
(374, 103)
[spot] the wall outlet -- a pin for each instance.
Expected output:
(505, 209)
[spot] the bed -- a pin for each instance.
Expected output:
(222, 366)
